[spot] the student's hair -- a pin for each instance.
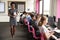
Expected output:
(32, 15)
(24, 12)
(37, 16)
(12, 3)
(43, 18)
(47, 15)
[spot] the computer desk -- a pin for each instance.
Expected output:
(57, 30)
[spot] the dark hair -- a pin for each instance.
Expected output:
(38, 15)
(54, 18)
(32, 15)
(24, 12)
(12, 3)
(43, 18)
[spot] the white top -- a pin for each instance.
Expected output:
(23, 16)
(43, 29)
(46, 31)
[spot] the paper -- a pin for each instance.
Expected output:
(14, 13)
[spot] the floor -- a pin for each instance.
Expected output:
(21, 32)
(5, 32)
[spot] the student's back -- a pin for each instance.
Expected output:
(33, 23)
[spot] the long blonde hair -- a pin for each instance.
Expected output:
(43, 18)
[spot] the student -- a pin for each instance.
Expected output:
(34, 24)
(28, 16)
(38, 17)
(24, 14)
(44, 31)
(12, 13)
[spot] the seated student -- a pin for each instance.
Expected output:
(33, 22)
(43, 30)
(38, 17)
(20, 20)
(28, 17)
(24, 14)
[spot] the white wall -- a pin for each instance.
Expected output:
(4, 16)
(30, 5)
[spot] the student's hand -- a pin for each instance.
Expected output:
(52, 32)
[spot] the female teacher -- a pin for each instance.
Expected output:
(12, 13)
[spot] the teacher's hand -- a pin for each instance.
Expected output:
(14, 16)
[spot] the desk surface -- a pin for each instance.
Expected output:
(57, 30)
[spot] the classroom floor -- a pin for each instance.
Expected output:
(21, 32)
(5, 32)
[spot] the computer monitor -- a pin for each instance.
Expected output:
(58, 24)
(50, 20)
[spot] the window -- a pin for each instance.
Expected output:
(46, 7)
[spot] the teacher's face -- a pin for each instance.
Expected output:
(13, 6)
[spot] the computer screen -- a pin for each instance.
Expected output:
(58, 24)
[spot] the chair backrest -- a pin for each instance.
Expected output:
(29, 28)
(34, 34)
(25, 21)
(43, 36)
